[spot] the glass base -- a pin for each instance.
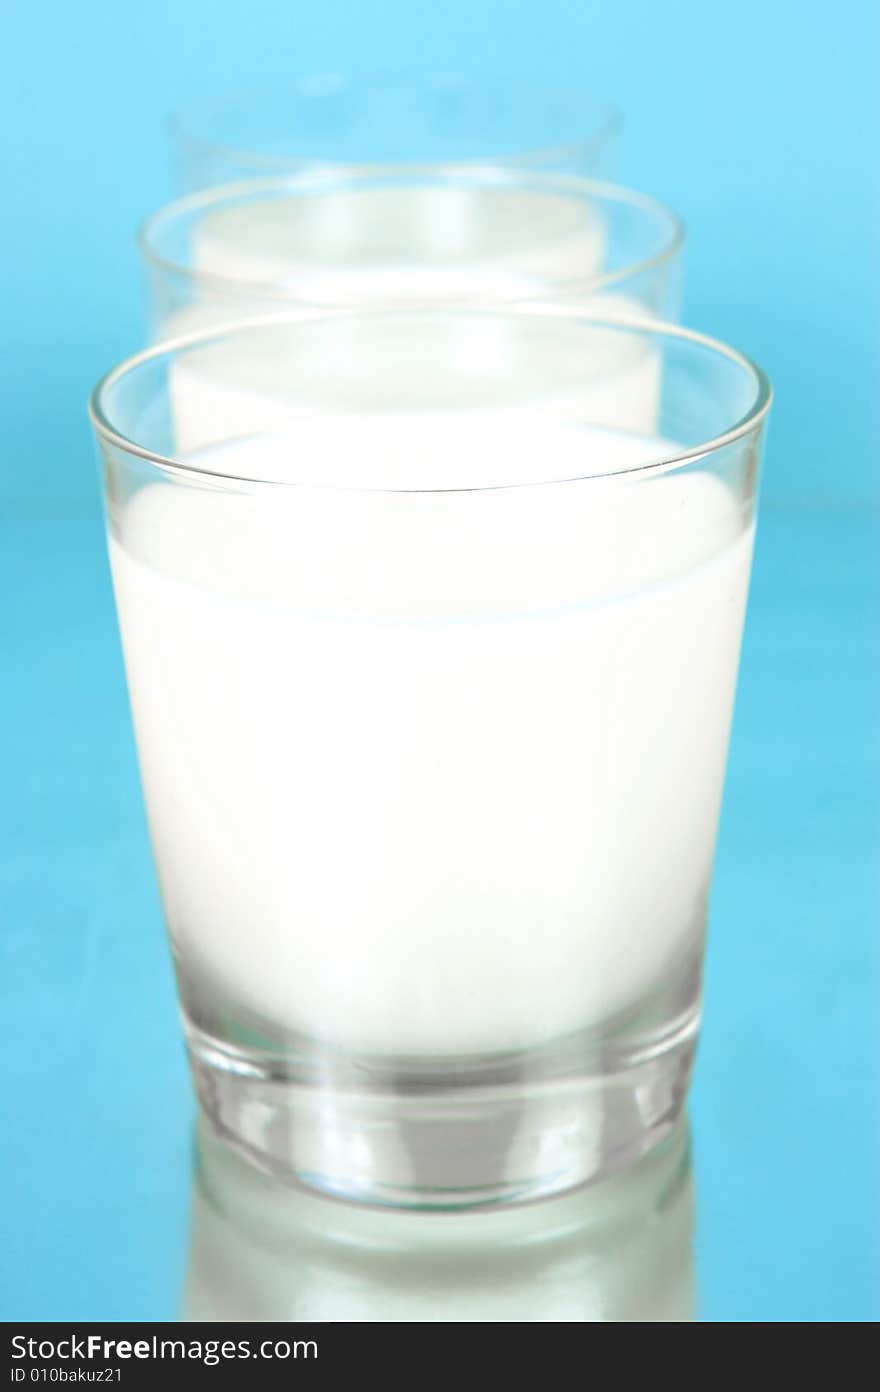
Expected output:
(449, 1134)
(619, 1251)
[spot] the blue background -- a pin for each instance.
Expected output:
(759, 123)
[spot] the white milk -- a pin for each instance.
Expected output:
(407, 378)
(433, 773)
(367, 245)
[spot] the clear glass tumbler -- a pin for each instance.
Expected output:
(431, 620)
(330, 121)
(444, 236)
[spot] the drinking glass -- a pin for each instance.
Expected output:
(431, 620)
(381, 238)
(330, 121)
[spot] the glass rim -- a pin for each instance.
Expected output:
(182, 123)
(179, 210)
(748, 423)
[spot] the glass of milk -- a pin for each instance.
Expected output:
(333, 121)
(431, 619)
(384, 237)
(618, 1252)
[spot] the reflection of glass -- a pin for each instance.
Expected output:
(331, 122)
(612, 1252)
(444, 236)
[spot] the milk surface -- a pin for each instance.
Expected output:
(464, 389)
(372, 244)
(432, 773)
